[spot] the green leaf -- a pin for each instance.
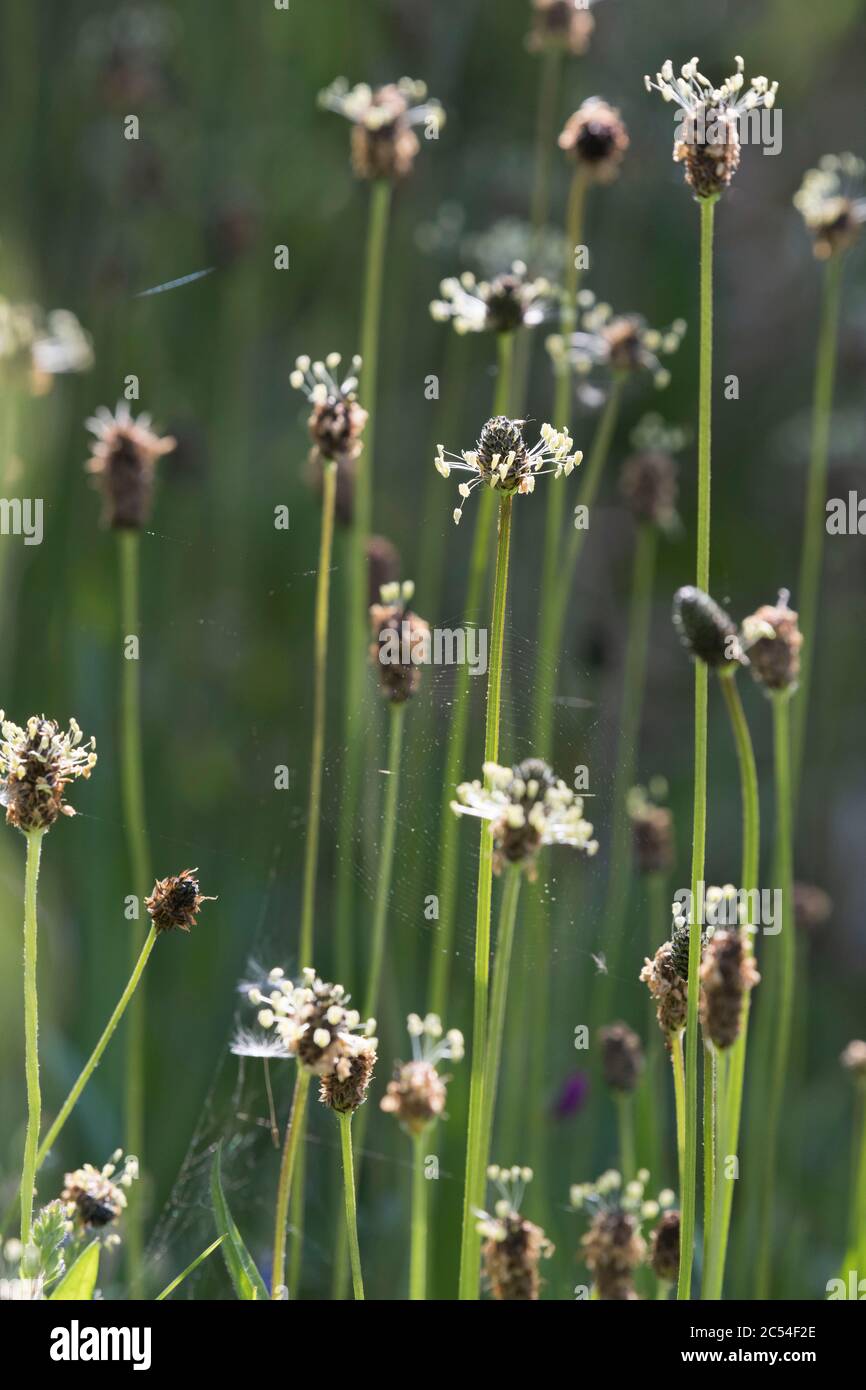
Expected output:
(78, 1283)
(248, 1283)
(170, 1288)
(43, 1256)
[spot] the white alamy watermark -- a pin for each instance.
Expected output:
(760, 126)
(846, 516)
(22, 516)
(77, 1343)
(754, 907)
(441, 646)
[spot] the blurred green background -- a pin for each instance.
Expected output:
(234, 158)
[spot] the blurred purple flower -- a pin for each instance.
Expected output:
(572, 1095)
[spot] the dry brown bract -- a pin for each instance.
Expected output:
(175, 902)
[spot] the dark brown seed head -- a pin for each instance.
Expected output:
(705, 629)
(669, 989)
(36, 764)
(709, 149)
(336, 425)
(501, 437)
(727, 972)
(123, 464)
(400, 646)
(93, 1198)
(345, 1088)
(613, 1248)
(511, 1261)
(665, 1248)
(621, 1057)
(648, 484)
(596, 138)
(652, 830)
(385, 147)
(774, 641)
(175, 902)
(560, 24)
(416, 1096)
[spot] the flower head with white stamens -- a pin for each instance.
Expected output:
(830, 200)
(616, 343)
(528, 807)
(708, 135)
(501, 305)
(384, 143)
(503, 460)
(513, 1247)
(311, 1019)
(417, 1093)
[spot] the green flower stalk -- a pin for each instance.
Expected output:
(853, 1060)
(384, 147)
(416, 1097)
(335, 426)
(310, 1021)
(708, 147)
(834, 216)
(37, 763)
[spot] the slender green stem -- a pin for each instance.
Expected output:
(455, 753)
(382, 899)
(781, 1048)
(96, 1055)
(625, 1127)
(475, 1167)
(676, 1042)
(356, 570)
(351, 1208)
(651, 1100)
(858, 1181)
(132, 778)
(736, 1064)
(31, 1032)
(320, 668)
(499, 997)
(291, 1144)
(710, 1155)
(699, 818)
(816, 489)
(418, 1252)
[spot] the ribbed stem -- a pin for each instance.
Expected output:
(679, 1103)
(499, 997)
(699, 817)
(384, 875)
(736, 1064)
(320, 671)
(781, 1046)
(351, 1206)
(418, 1251)
(31, 1032)
(93, 1060)
(135, 824)
(475, 1167)
(816, 489)
(710, 1156)
(291, 1144)
(455, 752)
(651, 1101)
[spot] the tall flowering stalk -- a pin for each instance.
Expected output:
(416, 1097)
(123, 465)
(833, 214)
(384, 147)
(335, 426)
(853, 1060)
(503, 462)
(37, 763)
(708, 147)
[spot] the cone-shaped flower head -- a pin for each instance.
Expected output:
(311, 1021)
(123, 464)
(622, 1059)
(401, 643)
(501, 305)
(36, 764)
(727, 972)
(708, 123)
(564, 25)
(503, 460)
(417, 1093)
(652, 829)
(384, 143)
(596, 138)
(96, 1197)
(773, 640)
(615, 344)
(669, 989)
(830, 200)
(706, 630)
(614, 1247)
(527, 807)
(175, 901)
(513, 1247)
(336, 424)
(665, 1248)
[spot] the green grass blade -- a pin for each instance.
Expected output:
(79, 1281)
(248, 1283)
(199, 1259)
